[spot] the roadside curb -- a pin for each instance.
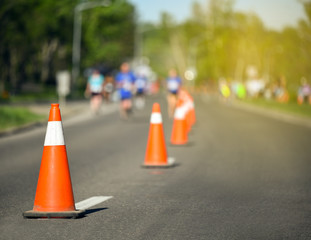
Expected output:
(25, 127)
(68, 112)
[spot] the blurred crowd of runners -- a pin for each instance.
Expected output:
(258, 88)
(129, 88)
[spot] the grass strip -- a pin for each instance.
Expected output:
(11, 117)
(290, 107)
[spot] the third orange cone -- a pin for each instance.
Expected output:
(179, 134)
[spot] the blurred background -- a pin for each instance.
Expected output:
(264, 45)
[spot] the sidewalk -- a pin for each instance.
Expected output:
(279, 115)
(272, 113)
(69, 111)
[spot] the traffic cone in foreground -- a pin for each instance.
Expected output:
(156, 154)
(179, 132)
(54, 195)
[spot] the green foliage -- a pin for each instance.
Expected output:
(108, 35)
(26, 27)
(46, 95)
(36, 39)
(16, 116)
(157, 44)
(36, 42)
(291, 107)
(221, 42)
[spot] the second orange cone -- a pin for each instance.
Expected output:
(156, 154)
(179, 134)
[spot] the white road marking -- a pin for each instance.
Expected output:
(90, 202)
(170, 160)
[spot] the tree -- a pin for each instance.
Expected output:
(108, 35)
(36, 39)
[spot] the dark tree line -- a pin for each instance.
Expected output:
(36, 39)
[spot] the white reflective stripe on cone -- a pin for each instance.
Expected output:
(54, 134)
(156, 118)
(186, 109)
(190, 105)
(180, 113)
(187, 106)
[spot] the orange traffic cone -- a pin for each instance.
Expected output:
(188, 118)
(179, 132)
(187, 100)
(156, 154)
(54, 195)
(191, 112)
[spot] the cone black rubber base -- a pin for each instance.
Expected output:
(170, 163)
(66, 214)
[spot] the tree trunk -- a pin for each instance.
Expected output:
(48, 49)
(13, 69)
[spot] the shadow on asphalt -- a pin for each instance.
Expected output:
(93, 210)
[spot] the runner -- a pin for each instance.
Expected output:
(125, 80)
(108, 87)
(140, 85)
(173, 84)
(94, 88)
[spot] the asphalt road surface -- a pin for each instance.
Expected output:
(242, 176)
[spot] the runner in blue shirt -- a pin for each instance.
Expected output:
(125, 80)
(140, 84)
(173, 84)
